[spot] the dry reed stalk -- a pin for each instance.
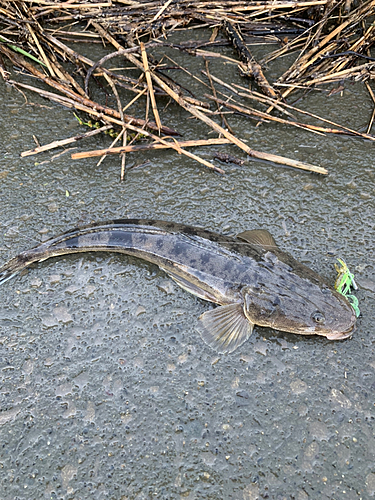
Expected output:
(266, 116)
(67, 5)
(372, 95)
(134, 99)
(201, 116)
(187, 71)
(208, 53)
(330, 46)
(70, 103)
(64, 142)
(251, 152)
(75, 57)
(147, 147)
(249, 66)
(165, 6)
(123, 131)
(123, 155)
(369, 127)
(223, 119)
(308, 59)
(109, 118)
(79, 98)
(115, 141)
(260, 97)
(350, 131)
(176, 146)
(150, 87)
(41, 51)
(355, 48)
(103, 33)
(362, 71)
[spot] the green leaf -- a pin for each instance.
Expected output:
(21, 51)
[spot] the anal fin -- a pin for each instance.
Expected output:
(225, 328)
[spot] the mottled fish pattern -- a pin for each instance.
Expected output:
(248, 276)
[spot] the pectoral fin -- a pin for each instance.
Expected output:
(225, 328)
(258, 237)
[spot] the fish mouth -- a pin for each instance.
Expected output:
(341, 335)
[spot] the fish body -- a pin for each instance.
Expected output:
(248, 276)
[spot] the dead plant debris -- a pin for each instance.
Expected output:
(330, 40)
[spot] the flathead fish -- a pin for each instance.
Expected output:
(248, 276)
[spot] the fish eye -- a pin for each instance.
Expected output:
(318, 317)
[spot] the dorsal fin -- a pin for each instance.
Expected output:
(258, 237)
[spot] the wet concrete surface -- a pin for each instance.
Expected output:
(107, 390)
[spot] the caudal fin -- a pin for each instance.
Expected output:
(13, 267)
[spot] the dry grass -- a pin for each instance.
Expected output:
(331, 40)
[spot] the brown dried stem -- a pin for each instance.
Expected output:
(65, 142)
(147, 147)
(332, 48)
(150, 87)
(251, 152)
(249, 66)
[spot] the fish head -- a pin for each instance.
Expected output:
(308, 309)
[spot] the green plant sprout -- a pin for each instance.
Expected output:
(92, 124)
(344, 283)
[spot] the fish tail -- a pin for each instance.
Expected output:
(10, 269)
(17, 264)
(96, 238)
